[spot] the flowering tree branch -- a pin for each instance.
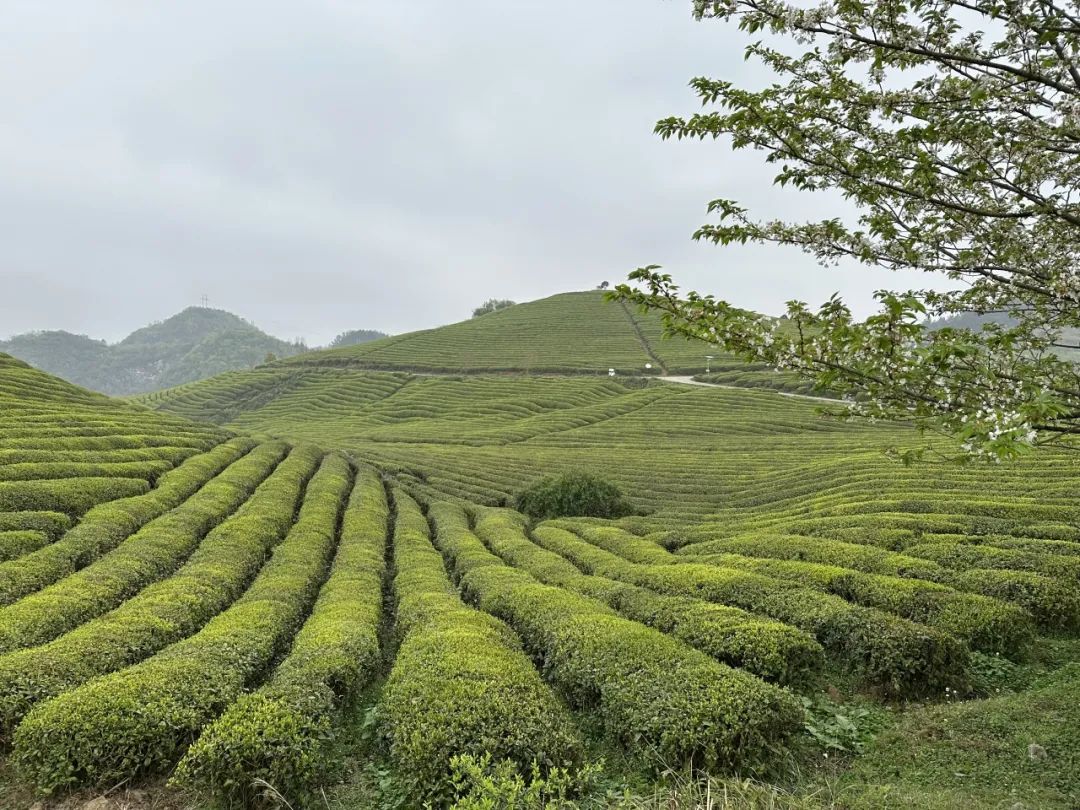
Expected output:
(961, 152)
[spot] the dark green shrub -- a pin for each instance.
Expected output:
(573, 494)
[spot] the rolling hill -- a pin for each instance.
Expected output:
(569, 333)
(578, 332)
(682, 453)
(324, 588)
(193, 344)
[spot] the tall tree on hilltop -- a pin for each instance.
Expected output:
(954, 127)
(354, 337)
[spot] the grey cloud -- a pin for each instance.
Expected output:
(330, 165)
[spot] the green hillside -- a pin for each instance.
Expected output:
(915, 579)
(343, 604)
(65, 450)
(576, 332)
(678, 449)
(193, 344)
(680, 452)
(570, 333)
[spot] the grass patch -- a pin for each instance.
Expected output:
(1013, 750)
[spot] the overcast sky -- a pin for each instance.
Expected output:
(324, 165)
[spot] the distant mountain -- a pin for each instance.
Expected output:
(60, 353)
(973, 322)
(191, 345)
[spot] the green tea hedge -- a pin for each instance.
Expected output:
(461, 683)
(106, 525)
(650, 690)
(151, 553)
(169, 610)
(769, 649)
(141, 719)
(282, 732)
(894, 654)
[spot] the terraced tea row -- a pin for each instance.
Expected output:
(282, 731)
(120, 693)
(758, 375)
(107, 524)
(768, 649)
(741, 458)
(980, 622)
(216, 625)
(115, 668)
(1040, 579)
(297, 569)
(650, 690)
(460, 682)
(142, 557)
(63, 450)
(142, 718)
(169, 606)
(483, 437)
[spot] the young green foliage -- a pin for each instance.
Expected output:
(141, 719)
(461, 683)
(653, 692)
(283, 732)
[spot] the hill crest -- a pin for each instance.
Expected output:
(573, 332)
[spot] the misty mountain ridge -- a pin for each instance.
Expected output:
(974, 322)
(195, 343)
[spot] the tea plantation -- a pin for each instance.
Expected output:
(302, 584)
(575, 332)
